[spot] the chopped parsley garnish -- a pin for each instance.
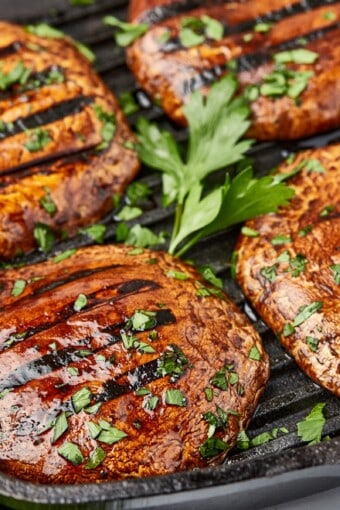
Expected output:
(216, 421)
(126, 33)
(139, 236)
(288, 329)
(60, 426)
(18, 75)
(244, 442)
(137, 192)
(128, 213)
(96, 232)
(307, 311)
(128, 103)
(297, 265)
(269, 272)
(213, 446)
(313, 165)
(81, 399)
(73, 371)
(109, 434)
(219, 380)
(173, 362)
(296, 56)
(175, 398)
(18, 287)
(250, 232)
(151, 403)
(96, 458)
(194, 31)
(81, 2)
(72, 453)
(37, 140)
(303, 232)
(209, 394)
(313, 343)
(64, 255)
(47, 203)
(284, 257)
(254, 354)
(80, 303)
(281, 239)
(108, 130)
(326, 211)
(93, 409)
(336, 273)
(216, 124)
(209, 274)
(142, 320)
(44, 237)
(310, 429)
(94, 429)
(263, 28)
(177, 275)
(330, 16)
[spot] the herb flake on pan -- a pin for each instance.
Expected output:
(96, 232)
(216, 124)
(127, 103)
(125, 33)
(108, 130)
(212, 447)
(310, 428)
(64, 255)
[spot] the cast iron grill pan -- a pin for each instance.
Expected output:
(268, 474)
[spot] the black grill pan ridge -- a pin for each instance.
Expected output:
(269, 474)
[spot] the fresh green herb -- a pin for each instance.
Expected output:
(142, 392)
(281, 239)
(5, 392)
(100, 358)
(47, 203)
(18, 75)
(81, 2)
(307, 311)
(18, 287)
(64, 255)
(216, 123)
(175, 398)
(94, 429)
(216, 421)
(164, 36)
(219, 379)
(326, 211)
(269, 272)
(151, 403)
(254, 354)
(208, 274)
(213, 446)
(126, 33)
(303, 232)
(194, 31)
(284, 257)
(313, 343)
(244, 442)
(177, 275)
(93, 409)
(83, 353)
(55, 76)
(44, 237)
(313, 165)
(296, 56)
(81, 399)
(108, 130)
(153, 335)
(145, 348)
(53, 346)
(96, 458)
(233, 264)
(137, 192)
(73, 371)
(233, 378)
(336, 273)
(128, 103)
(80, 303)
(72, 453)
(136, 251)
(263, 28)
(142, 320)
(37, 140)
(60, 426)
(96, 232)
(330, 16)
(139, 236)
(248, 37)
(250, 232)
(310, 429)
(209, 394)
(129, 213)
(129, 341)
(288, 329)
(45, 30)
(297, 265)
(110, 435)
(173, 362)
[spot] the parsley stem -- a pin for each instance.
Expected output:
(177, 221)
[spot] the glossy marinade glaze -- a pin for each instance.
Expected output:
(170, 72)
(63, 100)
(132, 359)
(289, 266)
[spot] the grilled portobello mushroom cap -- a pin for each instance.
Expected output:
(288, 99)
(116, 365)
(289, 266)
(65, 146)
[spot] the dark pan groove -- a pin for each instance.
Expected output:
(12, 48)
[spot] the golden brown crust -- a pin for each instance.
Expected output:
(169, 76)
(83, 180)
(314, 249)
(211, 333)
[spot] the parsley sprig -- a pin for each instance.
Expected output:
(216, 125)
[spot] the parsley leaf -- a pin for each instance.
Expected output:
(310, 429)
(126, 33)
(96, 232)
